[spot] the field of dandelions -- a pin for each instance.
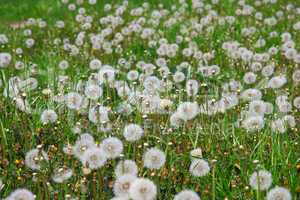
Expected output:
(150, 100)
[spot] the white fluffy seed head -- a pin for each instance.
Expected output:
(278, 126)
(85, 142)
(251, 94)
(277, 82)
(106, 75)
(21, 194)
(48, 116)
(249, 78)
(28, 84)
(112, 147)
(267, 70)
(132, 75)
(99, 114)
(154, 158)
(258, 107)
(143, 189)
(269, 107)
(34, 158)
(64, 64)
(260, 180)
(119, 198)
(5, 59)
(92, 2)
(188, 110)
(253, 123)
(95, 64)
(178, 77)
(61, 175)
(296, 76)
(175, 120)
(192, 87)
(289, 120)
(279, 193)
(152, 83)
(199, 167)
(74, 100)
(94, 158)
(285, 107)
(122, 185)
(187, 195)
(133, 132)
(93, 91)
(296, 102)
(126, 167)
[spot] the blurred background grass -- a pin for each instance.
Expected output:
(13, 11)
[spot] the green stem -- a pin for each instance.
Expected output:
(213, 183)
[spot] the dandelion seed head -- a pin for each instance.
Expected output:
(187, 195)
(34, 158)
(279, 193)
(122, 185)
(261, 180)
(142, 189)
(112, 147)
(48, 116)
(94, 158)
(126, 167)
(154, 158)
(133, 132)
(199, 167)
(21, 194)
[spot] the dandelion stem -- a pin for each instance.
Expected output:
(213, 183)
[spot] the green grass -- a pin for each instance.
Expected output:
(19, 10)
(232, 149)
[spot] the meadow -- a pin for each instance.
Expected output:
(149, 100)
